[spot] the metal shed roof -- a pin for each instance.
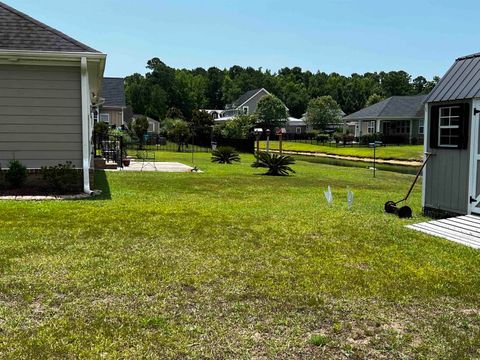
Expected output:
(462, 81)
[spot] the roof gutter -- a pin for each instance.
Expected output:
(49, 55)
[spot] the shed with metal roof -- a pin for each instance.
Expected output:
(451, 183)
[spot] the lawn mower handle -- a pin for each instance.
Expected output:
(429, 155)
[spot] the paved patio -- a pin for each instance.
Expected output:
(168, 167)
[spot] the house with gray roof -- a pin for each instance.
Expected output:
(398, 118)
(451, 179)
(113, 109)
(246, 104)
(49, 83)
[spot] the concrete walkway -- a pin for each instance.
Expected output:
(167, 167)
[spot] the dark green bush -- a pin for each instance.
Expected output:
(323, 138)
(16, 174)
(101, 127)
(225, 155)
(277, 165)
(367, 139)
(62, 177)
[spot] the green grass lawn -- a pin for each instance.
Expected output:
(404, 152)
(229, 264)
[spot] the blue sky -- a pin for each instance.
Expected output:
(422, 37)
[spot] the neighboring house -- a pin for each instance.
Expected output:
(246, 104)
(398, 118)
(451, 180)
(215, 113)
(153, 125)
(114, 110)
(48, 85)
(297, 126)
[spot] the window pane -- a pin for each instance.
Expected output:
(455, 111)
(444, 111)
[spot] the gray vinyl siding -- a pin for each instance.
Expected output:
(40, 115)
(253, 102)
(447, 176)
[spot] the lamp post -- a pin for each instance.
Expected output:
(258, 133)
(268, 132)
(280, 132)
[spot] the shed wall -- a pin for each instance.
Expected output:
(447, 176)
(40, 115)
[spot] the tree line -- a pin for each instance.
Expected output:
(163, 88)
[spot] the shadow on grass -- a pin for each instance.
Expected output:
(101, 183)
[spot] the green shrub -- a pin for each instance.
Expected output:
(323, 138)
(225, 155)
(61, 177)
(367, 139)
(277, 165)
(16, 174)
(101, 127)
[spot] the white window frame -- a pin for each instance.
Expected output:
(298, 130)
(421, 127)
(371, 127)
(104, 114)
(245, 110)
(442, 127)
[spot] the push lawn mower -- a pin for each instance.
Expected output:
(405, 212)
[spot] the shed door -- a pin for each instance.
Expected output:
(476, 166)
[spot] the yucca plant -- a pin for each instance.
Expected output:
(277, 165)
(225, 155)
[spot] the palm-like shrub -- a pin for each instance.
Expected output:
(225, 155)
(277, 165)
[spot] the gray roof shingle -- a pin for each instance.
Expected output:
(243, 98)
(462, 81)
(113, 91)
(408, 107)
(19, 31)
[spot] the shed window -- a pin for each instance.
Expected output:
(449, 126)
(245, 110)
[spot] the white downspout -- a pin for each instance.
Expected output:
(85, 125)
(426, 134)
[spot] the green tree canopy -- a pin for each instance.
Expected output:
(271, 112)
(373, 99)
(237, 128)
(140, 128)
(323, 111)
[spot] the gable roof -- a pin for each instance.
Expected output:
(19, 31)
(394, 107)
(247, 96)
(113, 91)
(462, 81)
